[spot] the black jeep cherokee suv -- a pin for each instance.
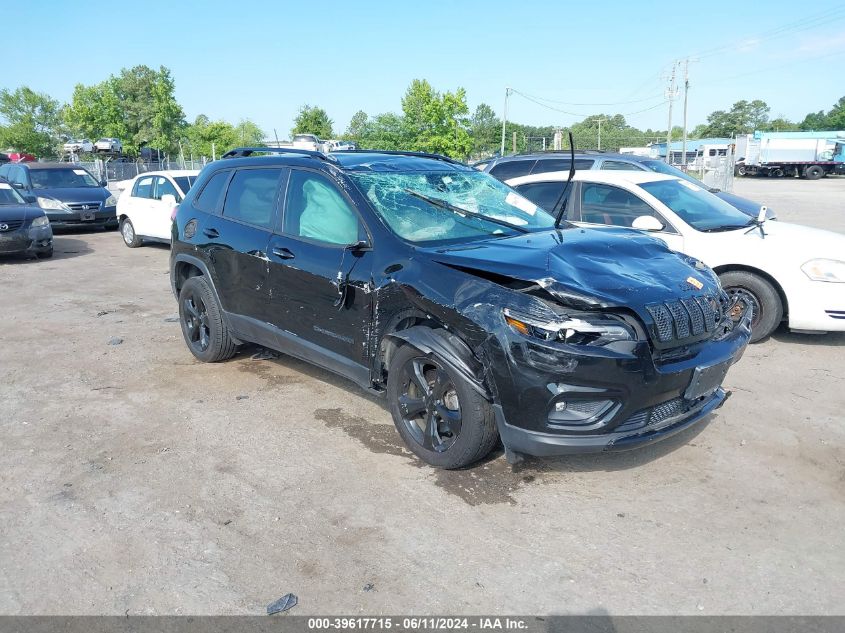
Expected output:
(442, 288)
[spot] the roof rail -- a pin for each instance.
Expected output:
(393, 152)
(241, 152)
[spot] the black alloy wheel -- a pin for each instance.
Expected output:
(429, 404)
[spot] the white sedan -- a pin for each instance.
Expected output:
(146, 203)
(786, 272)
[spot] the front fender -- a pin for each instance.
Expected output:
(450, 350)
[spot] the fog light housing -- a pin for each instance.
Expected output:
(578, 411)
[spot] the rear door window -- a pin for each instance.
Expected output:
(543, 194)
(251, 196)
(545, 165)
(512, 169)
(614, 206)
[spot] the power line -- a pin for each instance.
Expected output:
(579, 114)
(649, 98)
(797, 26)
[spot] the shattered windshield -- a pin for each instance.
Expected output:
(450, 206)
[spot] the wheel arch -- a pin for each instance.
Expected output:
(727, 268)
(426, 334)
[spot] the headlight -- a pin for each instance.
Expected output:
(831, 270)
(110, 201)
(51, 203)
(586, 329)
(40, 221)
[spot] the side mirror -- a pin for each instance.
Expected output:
(30, 198)
(18, 185)
(761, 216)
(104, 183)
(169, 199)
(647, 223)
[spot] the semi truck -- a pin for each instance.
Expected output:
(810, 155)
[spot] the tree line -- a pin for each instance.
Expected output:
(139, 106)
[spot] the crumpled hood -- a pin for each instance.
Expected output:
(589, 267)
(74, 194)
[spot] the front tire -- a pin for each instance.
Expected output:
(766, 305)
(127, 230)
(203, 327)
(442, 419)
(814, 172)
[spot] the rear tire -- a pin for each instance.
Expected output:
(813, 172)
(201, 319)
(764, 299)
(445, 421)
(127, 231)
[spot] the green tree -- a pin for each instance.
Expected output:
(781, 124)
(33, 121)
(485, 128)
(743, 118)
(832, 120)
(138, 106)
(385, 131)
(312, 120)
(357, 126)
(434, 122)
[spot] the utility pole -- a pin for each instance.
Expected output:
(599, 143)
(671, 95)
(505, 120)
(686, 91)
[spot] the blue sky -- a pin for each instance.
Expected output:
(263, 60)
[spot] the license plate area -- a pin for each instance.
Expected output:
(86, 216)
(705, 380)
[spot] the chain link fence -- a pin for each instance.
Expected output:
(718, 171)
(125, 169)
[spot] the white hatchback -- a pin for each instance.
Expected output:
(145, 206)
(786, 272)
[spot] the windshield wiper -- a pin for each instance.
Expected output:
(724, 227)
(442, 204)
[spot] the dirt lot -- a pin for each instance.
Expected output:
(136, 480)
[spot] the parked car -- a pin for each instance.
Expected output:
(145, 206)
(70, 195)
(4, 158)
(307, 141)
(786, 272)
(108, 145)
(24, 228)
(509, 167)
(456, 298)
(342, 146)
(20, 157)
(78, 146)
(151, 154)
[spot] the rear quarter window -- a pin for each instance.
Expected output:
(209, 198)
(512, 169)
(546, 165)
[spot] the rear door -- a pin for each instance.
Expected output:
(320, 299)
(236, 245)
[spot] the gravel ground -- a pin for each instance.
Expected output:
(136, 480)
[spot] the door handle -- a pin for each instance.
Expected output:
(283, 253)
(211, 232)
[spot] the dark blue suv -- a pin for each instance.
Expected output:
(477, 314)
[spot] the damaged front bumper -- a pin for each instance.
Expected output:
(597, 400)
